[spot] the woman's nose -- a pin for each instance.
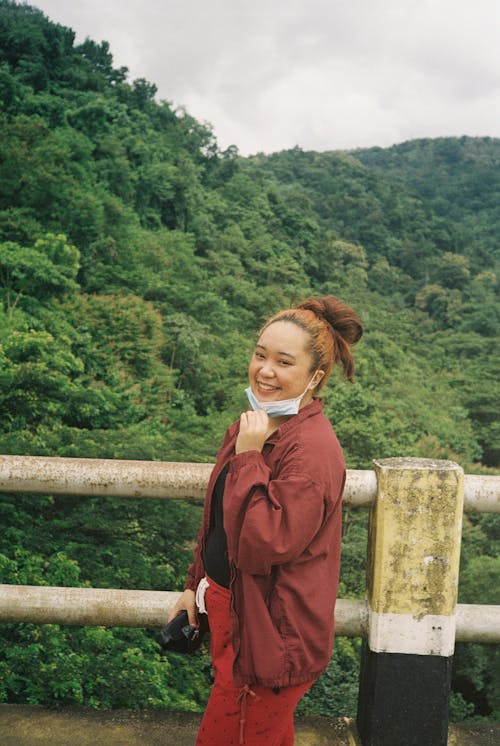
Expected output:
(267, 369)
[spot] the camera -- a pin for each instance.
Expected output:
(178, 636)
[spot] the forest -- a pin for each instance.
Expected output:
(137, 262)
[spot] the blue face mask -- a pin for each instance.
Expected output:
(277, 408)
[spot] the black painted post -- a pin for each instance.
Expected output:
(413, 561)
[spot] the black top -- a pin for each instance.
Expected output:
(215, 556)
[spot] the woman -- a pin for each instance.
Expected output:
(266, 565)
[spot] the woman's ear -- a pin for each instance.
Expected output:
(315, 380)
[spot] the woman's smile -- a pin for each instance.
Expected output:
(266, 388)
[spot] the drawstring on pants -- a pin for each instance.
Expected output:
(244, 693)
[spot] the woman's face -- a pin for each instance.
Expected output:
(280, 367)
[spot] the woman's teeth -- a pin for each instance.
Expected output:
(267, 387)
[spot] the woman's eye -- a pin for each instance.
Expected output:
(285, 362)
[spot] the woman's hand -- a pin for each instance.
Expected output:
(254, 429)
(187, 602)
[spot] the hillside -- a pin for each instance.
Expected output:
(137, 261)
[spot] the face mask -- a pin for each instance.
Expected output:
(277, 408)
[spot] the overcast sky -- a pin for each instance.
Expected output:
(320, 74)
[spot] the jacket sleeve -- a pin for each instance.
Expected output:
(269, 521)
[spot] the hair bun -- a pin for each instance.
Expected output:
(332, 327)
(337, 314)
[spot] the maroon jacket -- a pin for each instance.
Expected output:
(282, 517)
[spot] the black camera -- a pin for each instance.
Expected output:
(178, 636)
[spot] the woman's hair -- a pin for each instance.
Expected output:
(332, 327)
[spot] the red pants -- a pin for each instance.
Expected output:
(253, 716)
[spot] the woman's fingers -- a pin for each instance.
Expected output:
(186, 602)
(253, 431)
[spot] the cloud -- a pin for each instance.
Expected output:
(321, 74)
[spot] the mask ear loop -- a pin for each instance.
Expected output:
(310, 385)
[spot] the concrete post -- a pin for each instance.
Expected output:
(413, 562)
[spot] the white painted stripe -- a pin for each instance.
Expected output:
(431, 634)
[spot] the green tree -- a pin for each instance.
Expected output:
(45, 271)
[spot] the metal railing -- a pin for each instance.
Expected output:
(146, 479)
(170, 479)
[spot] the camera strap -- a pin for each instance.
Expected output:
(200, 595)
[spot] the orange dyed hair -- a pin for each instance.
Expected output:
(332, 327)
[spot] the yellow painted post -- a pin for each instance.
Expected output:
(413, 563)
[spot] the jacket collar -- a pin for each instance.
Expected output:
(314, 407)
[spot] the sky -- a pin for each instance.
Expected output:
(318, 74)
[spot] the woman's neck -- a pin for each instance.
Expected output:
(276, 422)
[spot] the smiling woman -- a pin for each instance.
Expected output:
(280, 369)
(266, 565)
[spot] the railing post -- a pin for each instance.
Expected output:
(413, 561)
